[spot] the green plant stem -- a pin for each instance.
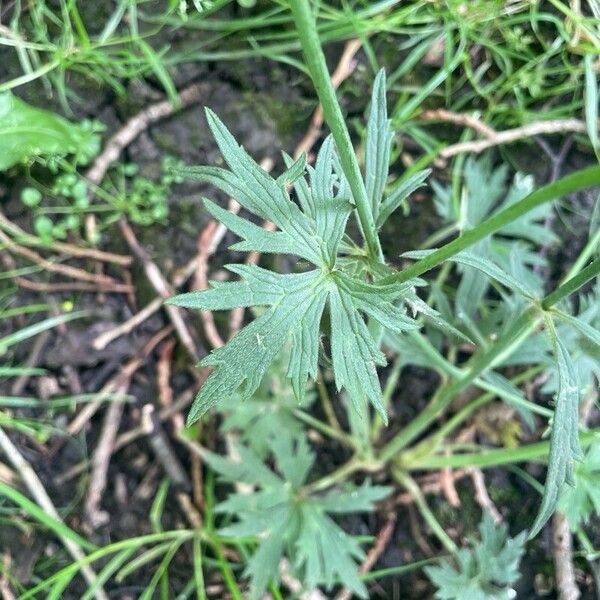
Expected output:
(447, 368)
(432, 442)
(521, 328)
(494, 457)
(567, 185)
(415, 491)
(572, 284)
(336, 434)
(317, 67)
(354, 465)
(327, 405)
(592, 247)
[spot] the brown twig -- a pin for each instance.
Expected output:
(128, 437)
(448, 116)
(208, 241)
(32, 360)
(127, 326)
(117, 382)
(562, 553)
(447, 486)
(383, 539)
(180, 277)
(137, 125)
(37, 490)
(162, 287)
(510, 136)
(104, 449)
(22, 236)
(162, 448)
(100, 281)
(481, 494)
(429, 484)
(95, 517)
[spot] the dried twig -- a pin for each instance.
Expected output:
(100, 461)
(447, 486)
(32, 360)
(459, 119)
(383, 539)
(181, 276)
(429, 484)
(137, 125)
(117, 382)
(162, 287)
(37, 490)
(127, 326)
(162, 448)
(104, 449)
(23, 237)
(481, 494)
(100, 281)
(510, 136)
(208, 241)
(128, 437)
(562, 553)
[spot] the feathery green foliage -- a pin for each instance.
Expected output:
(486, 571)
(289, 521)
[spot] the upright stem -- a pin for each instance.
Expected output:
(567, 185)
(317, 67)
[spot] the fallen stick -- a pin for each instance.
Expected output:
(137, 125)
(100, 281)
(510, 136)
(104, 449)
(162, 287)
(39, 494)
(381, 542)
(30, 240)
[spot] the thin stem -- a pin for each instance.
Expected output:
(415, 491)
(520, 329)
(317, 67)
(336, 434)
(354, 465)
(567, 185)
(432, 442)
(494, 457)
(572, 284)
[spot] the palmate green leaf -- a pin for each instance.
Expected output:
(291, 523)
(312, 230)
(565, 448)
(27, 132)
(484, 572)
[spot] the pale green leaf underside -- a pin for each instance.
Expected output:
(565, 448)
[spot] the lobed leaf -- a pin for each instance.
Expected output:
(565, 448)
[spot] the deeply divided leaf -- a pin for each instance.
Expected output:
(312, 230)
